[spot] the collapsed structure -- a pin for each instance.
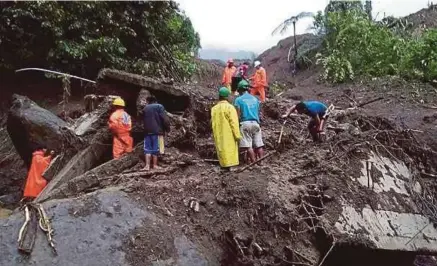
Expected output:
(364, 197)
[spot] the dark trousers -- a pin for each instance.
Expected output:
(234, 83)
(313, 128)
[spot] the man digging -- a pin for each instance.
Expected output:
(156, 124)
(318, 113)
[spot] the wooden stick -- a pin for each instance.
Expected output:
(255, 162)
(282, 132)
(327, 253)
(371, 101)
(428, 175)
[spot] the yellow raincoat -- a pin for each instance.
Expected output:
(226, 133)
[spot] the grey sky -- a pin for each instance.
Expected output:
(247, 24)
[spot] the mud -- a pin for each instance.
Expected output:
(281, 212)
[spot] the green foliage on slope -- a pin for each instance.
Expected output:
(358, 46)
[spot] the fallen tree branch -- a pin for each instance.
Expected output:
(428, 175)
(255, 162)
(327, 253)
(149, 173)
(420, 231)
(429, 106)
(369, 102)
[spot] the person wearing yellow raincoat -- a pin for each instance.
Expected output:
(120, 125)
(225, 130)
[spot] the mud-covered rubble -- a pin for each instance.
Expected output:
(96, 229)
(364, 190)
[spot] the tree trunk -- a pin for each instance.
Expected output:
(295, 42)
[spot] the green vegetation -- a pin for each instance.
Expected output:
(355, 45)
(151, 37)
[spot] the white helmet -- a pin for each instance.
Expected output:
(257, 63)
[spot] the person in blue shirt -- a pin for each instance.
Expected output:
(248, 107)
(314, 109)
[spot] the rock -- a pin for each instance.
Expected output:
(95, 229)
(30, 125)
(128, 86)
(429, 119)
(142, 100)
(11, 198)
(92, 121)
(84, 160)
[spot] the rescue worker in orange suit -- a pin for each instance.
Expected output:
(228, 72)
(259, 81)
(35, 182)
(120, 125)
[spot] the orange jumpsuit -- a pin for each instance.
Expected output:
(259, 82)
(35, 182)
(120, 124)
(227, 76)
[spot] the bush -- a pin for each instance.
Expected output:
(356, 46)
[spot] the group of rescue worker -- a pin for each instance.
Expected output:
(235, 125)
(233, 75)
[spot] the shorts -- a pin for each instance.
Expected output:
(251, 135)
(154, 144)
(235, 81)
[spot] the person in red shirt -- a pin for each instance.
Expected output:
(239, 75)
(35, 182)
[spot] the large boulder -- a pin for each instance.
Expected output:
(30, 125)
(100, 229)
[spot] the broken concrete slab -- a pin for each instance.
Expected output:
(382, 174)
(128, 86)
(389, 230)
(83, 161)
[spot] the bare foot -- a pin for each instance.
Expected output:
(146, 168)
(157, 167)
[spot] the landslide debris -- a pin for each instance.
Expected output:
(282, 212)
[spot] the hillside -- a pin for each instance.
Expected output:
(224, 55)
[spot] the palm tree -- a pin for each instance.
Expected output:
(283, 27)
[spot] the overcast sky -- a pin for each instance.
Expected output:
(247, 24)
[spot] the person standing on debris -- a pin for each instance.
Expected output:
(239, 75)
(228, 72)
(35, 182)
(225, 130)
(120, 124)
(248, 107)
(259, 81)
(156, 124)
(317, 111)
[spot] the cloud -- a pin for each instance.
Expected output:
(248, 24)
